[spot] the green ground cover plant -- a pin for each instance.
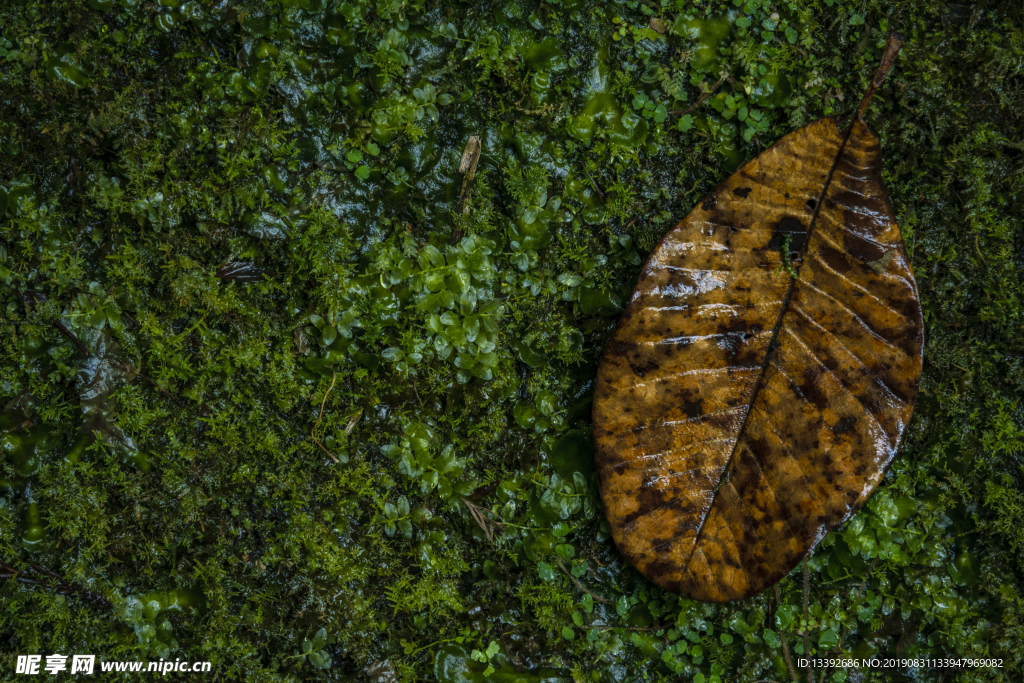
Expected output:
(283, 390)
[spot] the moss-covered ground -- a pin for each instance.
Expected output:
(331, 389)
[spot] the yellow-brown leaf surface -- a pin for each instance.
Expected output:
(740, 414)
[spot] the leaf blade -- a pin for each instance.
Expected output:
(787, 397)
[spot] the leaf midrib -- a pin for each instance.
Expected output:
(772, 343)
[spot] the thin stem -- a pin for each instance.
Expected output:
(439, 642)
(782, 637)
(630, 628)
(70, 335)
(594, 184)
(130, 368)
(558, 491)
(807, 621)
(700, 100)
(56, 583)
(579, 585)
(312, 432)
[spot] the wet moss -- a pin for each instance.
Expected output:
(385, 434)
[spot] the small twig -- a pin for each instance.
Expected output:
(579, 585)
(312, 432)
(782, 637)
(62, 585)
(632, 628)
(593, 184)
(127, 367)
(700, 100)
(416, 391)
(71, 335)
(807, 621)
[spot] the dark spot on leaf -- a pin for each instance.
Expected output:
(844, 425)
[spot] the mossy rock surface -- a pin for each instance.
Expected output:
(330, 385)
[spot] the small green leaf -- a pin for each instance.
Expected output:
(561, 529)
(330, 333)
(320, 639)
(545, 571)
(570, 279)
(363, 172)
(828, 639)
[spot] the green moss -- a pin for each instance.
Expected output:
(383, 430)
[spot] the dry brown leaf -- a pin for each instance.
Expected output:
(741, 413)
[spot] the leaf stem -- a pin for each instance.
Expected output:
(892, 48)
